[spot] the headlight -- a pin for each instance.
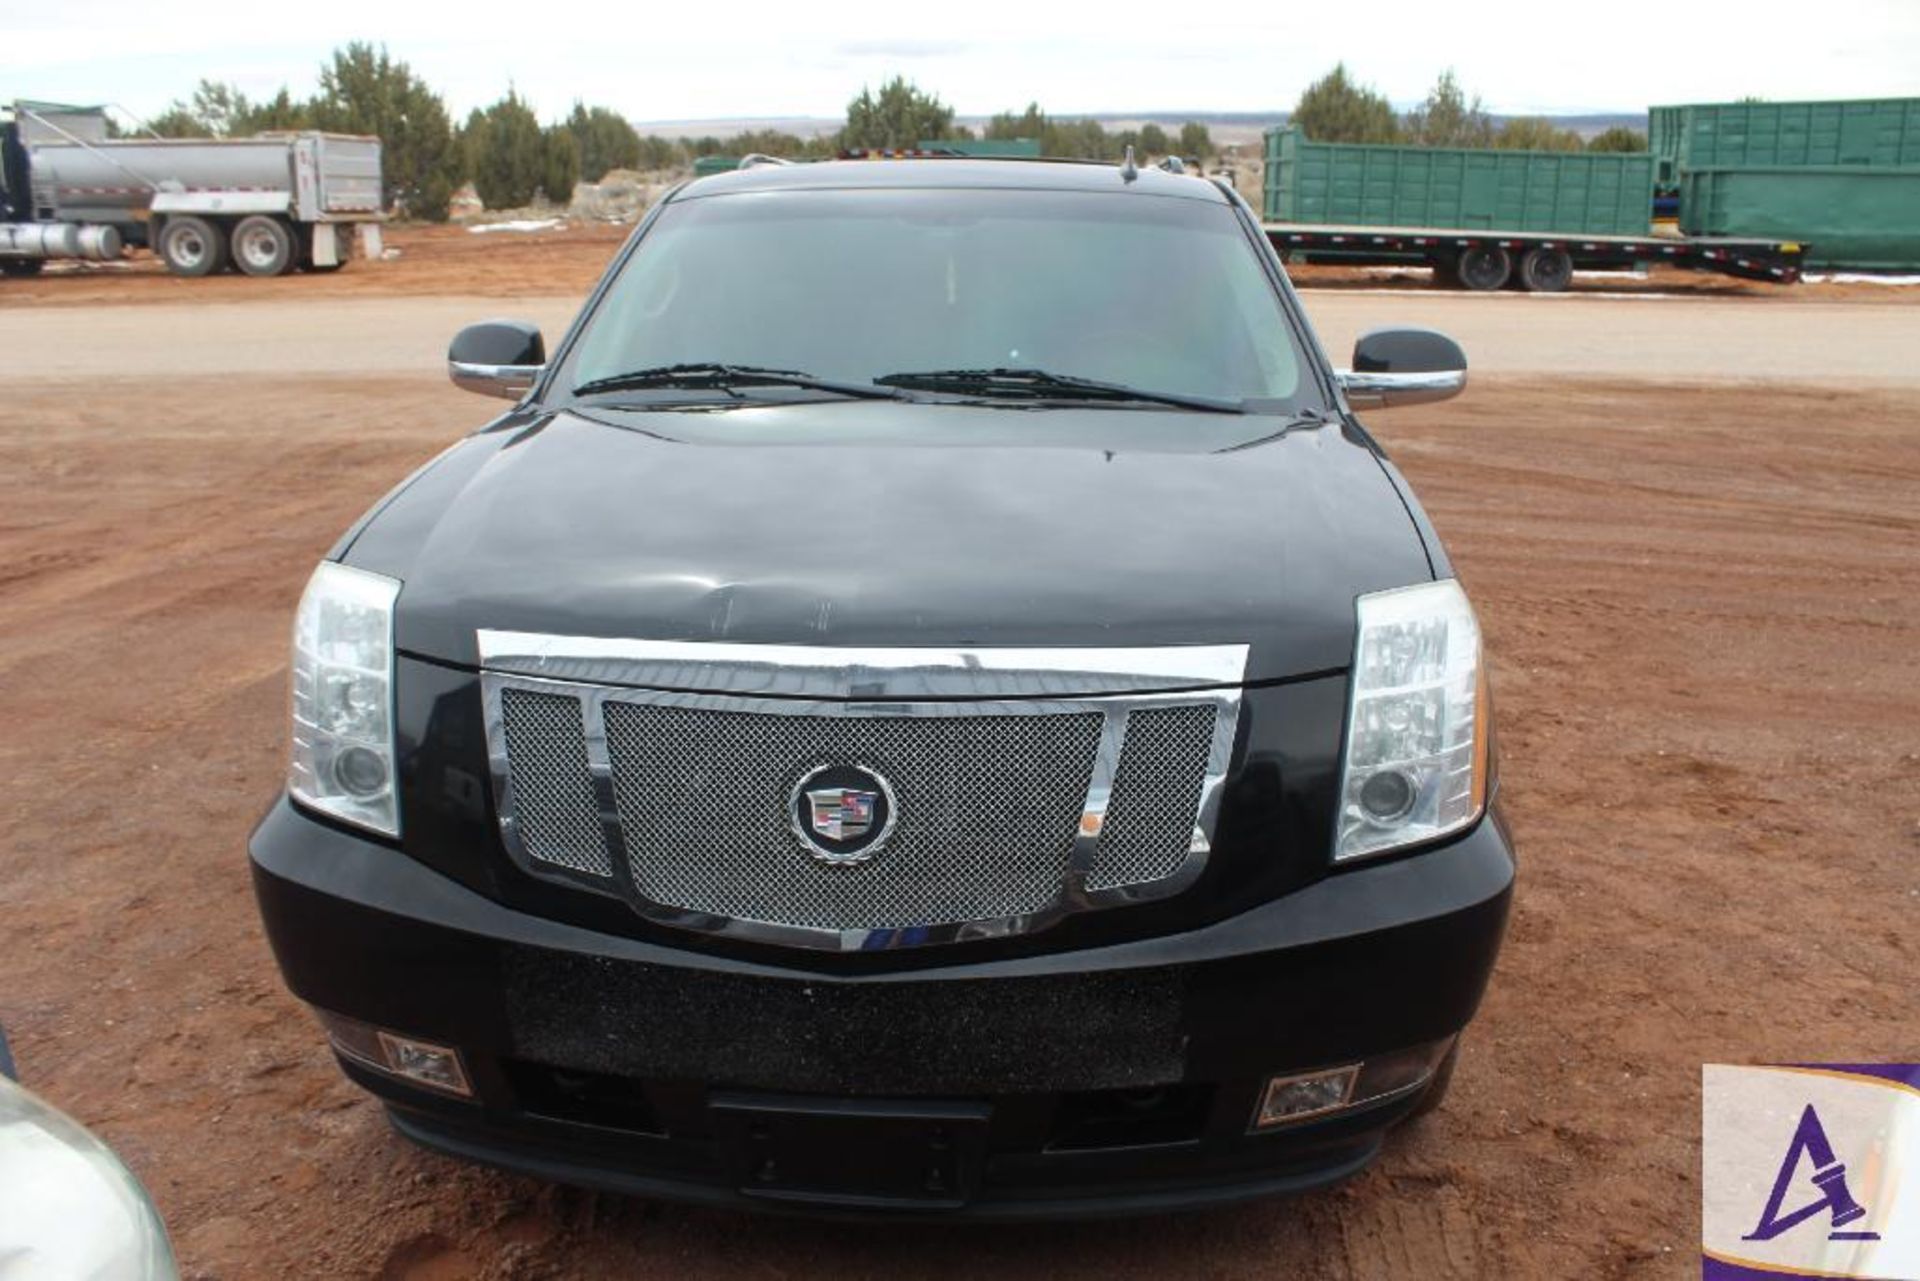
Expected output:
(1416, 753)
(343, 758)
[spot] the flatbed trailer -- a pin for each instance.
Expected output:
(1538, 261)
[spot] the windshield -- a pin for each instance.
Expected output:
(1156, 293)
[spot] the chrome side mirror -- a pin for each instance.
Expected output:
(497, 358)
(1403, 367)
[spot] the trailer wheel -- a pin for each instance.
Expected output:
(1546, 271)
(21, 266)
(192, 246)
(263, 246)
(1485, 267)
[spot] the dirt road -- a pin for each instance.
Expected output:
(1703, 605)
(1623, 336)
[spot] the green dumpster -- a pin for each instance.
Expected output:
(1851, 217)
(1880, 132)
(1350, 184)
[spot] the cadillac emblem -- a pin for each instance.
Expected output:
(842, 814)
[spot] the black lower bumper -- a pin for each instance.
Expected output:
(1105, 1080)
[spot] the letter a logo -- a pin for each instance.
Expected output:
(1828, 1175)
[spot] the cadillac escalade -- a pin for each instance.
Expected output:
(930, 702)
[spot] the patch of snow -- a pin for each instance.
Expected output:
(1857, 278)
(519, 224)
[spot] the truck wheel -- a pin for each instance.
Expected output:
(262, 246)
(21, 266)
(1485, 267)
(1546, 271)
(192, 246)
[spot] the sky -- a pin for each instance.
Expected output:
(757, 60)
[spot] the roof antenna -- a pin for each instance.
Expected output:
(1129, 170)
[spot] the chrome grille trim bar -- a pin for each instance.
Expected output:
(822, 671)
(1093, 813)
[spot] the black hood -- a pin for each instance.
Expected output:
(890, 524)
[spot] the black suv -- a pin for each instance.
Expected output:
(929, 703)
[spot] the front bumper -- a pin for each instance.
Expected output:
(1103, 1080)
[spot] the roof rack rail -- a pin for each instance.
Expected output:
(754, 159)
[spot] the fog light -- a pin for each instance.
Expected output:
(1385, 1076)
(1295, 1098)
(429, 1064)
(437, 1067)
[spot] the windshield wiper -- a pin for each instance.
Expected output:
(1308, 417)
(1038, 384)
(722, 377)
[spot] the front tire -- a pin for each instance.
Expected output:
(192, 246)
(263, 246)
(1485, 267)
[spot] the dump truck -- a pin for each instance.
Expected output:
(264, 205)
(1485, 219)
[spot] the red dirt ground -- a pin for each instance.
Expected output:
(1703, 607)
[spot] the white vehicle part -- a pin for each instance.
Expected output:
(327, 249)
(70, 1208)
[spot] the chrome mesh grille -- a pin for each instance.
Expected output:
(553, 805)
(988, 808)
(1031, 799)
(1156, 796)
